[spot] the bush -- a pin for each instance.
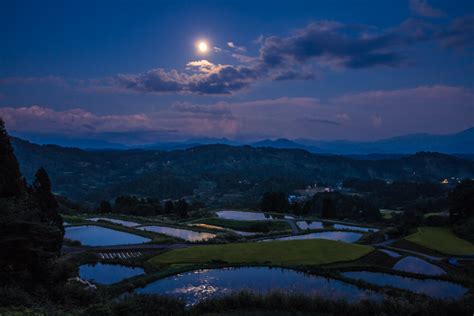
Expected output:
(139, 305)
(14, 296)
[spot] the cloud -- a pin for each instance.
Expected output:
(314, 120)
(433, 109)
(299, 56)
(459, 34)
(333, 43)
(436, 94)
(213, 110)
(79, 123)
(235, 47)
(422, 8)
(304, 54)
(376, 120)
(220, 79)
(363, 115)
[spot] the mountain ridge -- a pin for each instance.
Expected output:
(456, 143)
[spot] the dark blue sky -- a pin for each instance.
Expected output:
(129, 71)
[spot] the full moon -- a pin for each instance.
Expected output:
(202, 46)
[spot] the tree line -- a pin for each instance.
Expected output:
(132, 205)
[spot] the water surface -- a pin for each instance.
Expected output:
(434, 288)
(185, 234)
(103, 273)
(304, 225)
(352, 227)
(90, 235)
(417, 265)
(198, 285)
(244, 216)
(115, 221)
(220, 228)
(349, 237)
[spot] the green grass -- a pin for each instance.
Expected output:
(442, 240)
(292, 252)
(248, 226)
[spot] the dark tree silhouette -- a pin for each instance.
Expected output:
(274, 202)
(11, 181)
(181, 208)
(168, 207)
(105, 207)
(461, 200)
(31, 230)
(45, 199)
(328, 210)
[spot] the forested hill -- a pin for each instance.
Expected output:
(216, 169)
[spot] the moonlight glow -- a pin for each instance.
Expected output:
(202, 47)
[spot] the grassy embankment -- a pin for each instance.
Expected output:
(442, 240)
(293, 252)
(247, 226)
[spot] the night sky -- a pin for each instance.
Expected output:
(132, 72)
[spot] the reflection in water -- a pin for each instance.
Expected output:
(115, 221)
(357, 228)
(104, 273)
(207, 226)
(304, 225)
(417, 265)
(198, 285)
(333, 235)
(185, 234)
(434, 288)
(243, 216)
(91, 235)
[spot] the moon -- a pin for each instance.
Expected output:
(202, 47)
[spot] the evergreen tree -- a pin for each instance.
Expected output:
(461, 200)
(41, 190)
(182, 208)
(11, 182)
(328, 210)
(29, 222)
(274, 202)
(105, 207)
(169, 207)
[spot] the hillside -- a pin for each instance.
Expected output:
(216, 169)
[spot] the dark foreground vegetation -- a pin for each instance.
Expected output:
(243, 303)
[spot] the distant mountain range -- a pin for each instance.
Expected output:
(457, 143)
(223, 171)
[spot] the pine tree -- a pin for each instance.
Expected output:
(168, 207)
(41, 190)
(11, 182)
(328, 210)
(181, 208)
(105, 207)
